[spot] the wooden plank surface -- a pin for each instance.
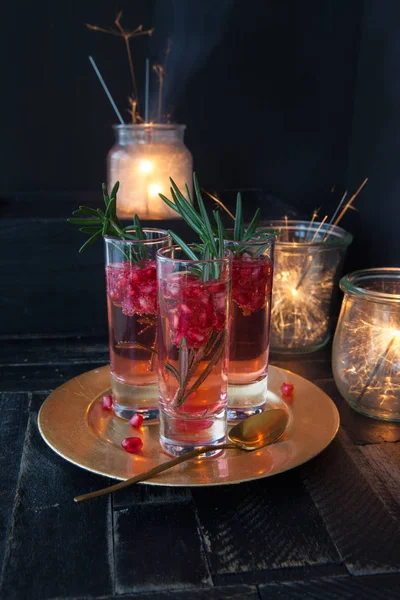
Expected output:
(344, 588)
(364, 532)
(328, 529)
(14, 412)
(263, 525)
(56, 548)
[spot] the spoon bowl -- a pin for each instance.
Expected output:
(249, 435)
(259, 430)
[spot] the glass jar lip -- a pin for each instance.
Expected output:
(150, 126)
(167, 259)
(165, 237)
(350, 283)
(339, 236)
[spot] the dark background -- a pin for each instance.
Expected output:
(286, 99)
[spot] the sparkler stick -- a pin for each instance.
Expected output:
(159, 71)
(147, 89)
(376, 368)
(314, 216)
(338, 207)
(106, 90)
(286, 229)
(126, 35)
(220, 203)
(132, 112)
(347, 206)
(350, 202)
(308, 267)
(319, 228)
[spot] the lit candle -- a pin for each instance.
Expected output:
(143, 160)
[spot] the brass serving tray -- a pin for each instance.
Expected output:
(73, 423)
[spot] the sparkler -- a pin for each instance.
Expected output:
(376, 379)
(330, 231)
(366, 348)
(107, 91)
(147, 92)
(314, 216)
(300, 317)
(220, 203)
(378, 365)
(159, 71)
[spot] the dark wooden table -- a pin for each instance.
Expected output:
(328, 529)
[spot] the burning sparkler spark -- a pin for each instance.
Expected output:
(373, 352)
(300, 316)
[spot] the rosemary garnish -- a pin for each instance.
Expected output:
(189, 360)
(211, 249)
(212, 246)
(214, 237)
(98, 223)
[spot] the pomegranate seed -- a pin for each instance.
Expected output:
(251, 282)
(195, 308)
(136, 420)
(287, 389)
(107, 402)
(132, 444)
(133, 287)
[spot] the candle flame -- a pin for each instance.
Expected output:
(154, 189)
(146, 166)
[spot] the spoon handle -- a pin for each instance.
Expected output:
(159, 469)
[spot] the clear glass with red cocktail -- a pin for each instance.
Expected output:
(194, 304)
(252, 275)
(131, 277)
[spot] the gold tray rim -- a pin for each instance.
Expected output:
(184, 475)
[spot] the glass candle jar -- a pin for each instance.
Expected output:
(142, 160)
(252, 272)
(366, 346)
(131, 278)
(194, 303)
(308, 258)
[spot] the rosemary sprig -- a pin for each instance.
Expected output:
(199, 221)
(98, 223)
(210, 248)
(189, 360)
(213, 237)
(184, 393)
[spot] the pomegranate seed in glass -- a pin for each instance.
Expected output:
(252, 273)
(131, 277)
(194, 303)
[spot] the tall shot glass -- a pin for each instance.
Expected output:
(193, 309)
(131, 278)
(252, 275)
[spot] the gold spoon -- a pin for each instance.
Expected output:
(249, 435)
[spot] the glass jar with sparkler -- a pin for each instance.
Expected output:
(308, 258)
(194, 303)
(143, 160)
(366, 346)
(131, 278)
